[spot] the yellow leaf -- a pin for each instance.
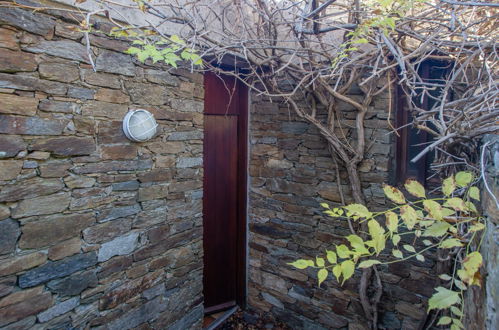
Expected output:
(409, 248)
(357, 244)
(377, 234)
(300, 264)
(415, 188)
(456, 203)
(450, 243)
(337, 272)
(322, 275)
(395, 239)
(463, 178)
(437, 229)
(319, 262)
(409, 216)
(476, 227)
(448, 186)
(392, 221)
(343, 251)
(394, 194)
(347, 269)
(358, 210)
(331, 257)
(433, 208)
(368, 263)
(474, 193)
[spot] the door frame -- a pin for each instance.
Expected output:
(242, 99)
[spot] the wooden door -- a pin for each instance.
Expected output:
(224, 192)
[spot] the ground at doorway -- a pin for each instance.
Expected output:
(244, 320)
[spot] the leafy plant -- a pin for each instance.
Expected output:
(449, 222)
(148, 45)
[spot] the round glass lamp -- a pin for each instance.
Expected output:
(139, 125)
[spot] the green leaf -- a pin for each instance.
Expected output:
(409, 216)
(456, 203)
(444, 320)
(427, 242)
(343, 251)
(359, 210)
(325, 205)
(392, 221)
(357, 244)
(420, 257)
(450, 243)
(474, 193)
(378, 235)
(331, 257)
(368, 263)
(347, 269)
(394, 194)
(447, 212)
(437, 229)
(460, 285)
(397, 253)
(319, 262)
(322, 275)
(456, 311)
(337, 272)
(463, 178)
(458, 323)
(395, 239)
(175, 38)
(433, 208)
(133, 50)
(301, 263)
(444, 277)
(448, 186)
(360, 41)
(444, 298)
(476, 227)
(409, 248)
(415, 188)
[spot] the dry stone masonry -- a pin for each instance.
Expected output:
(95, 231)
(291, 173)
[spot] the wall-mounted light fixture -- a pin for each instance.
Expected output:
(139, 125)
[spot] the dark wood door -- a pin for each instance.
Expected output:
(224, 196)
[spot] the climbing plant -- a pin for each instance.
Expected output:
(416, 224)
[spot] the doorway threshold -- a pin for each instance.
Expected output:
(212, 321)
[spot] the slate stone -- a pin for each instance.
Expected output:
(57, 269)
(10, 169)
(15, 61)
(187, 105)
(50, 230)
(292, 127)
(104, 109)
(107, 231)
(103, 167)
(156, 175)
(119, 246)
(61, 48)
(139, 315)
(11, 145)
(81, 93)
(74, 284)
(113, 62)
(188, 321)
(27, 20)
(30, 188)
(27, 83)
(161, 77)
(7, 285)
(63, 72)
(147, 93)
(9, 232)
(183, 136)
(25, 308)
(4, 211)
(126, 186)
(186, 162)
(67, 146)
(31, 125)
(118, 212)
(30, 164)
(59, 309)
(23, 262)
(41, 205)
(101, 79)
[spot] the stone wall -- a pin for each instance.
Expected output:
(291, 172)
(95, 231)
